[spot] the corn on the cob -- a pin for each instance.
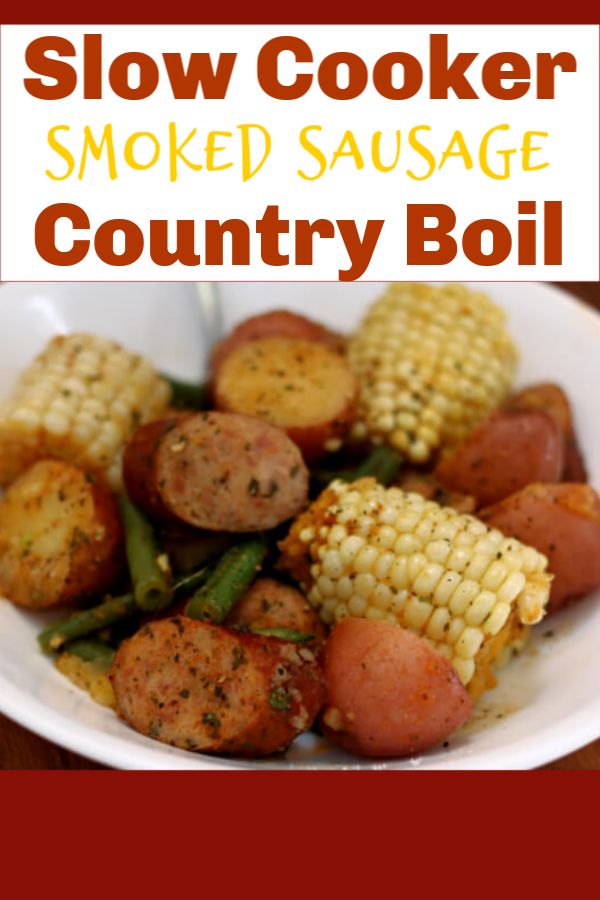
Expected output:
(79, 401)
(430, 362)
(381, 553)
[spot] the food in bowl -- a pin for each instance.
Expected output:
(348, 534)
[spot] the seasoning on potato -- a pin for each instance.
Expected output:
(60, 537)
(277, 323)
(301, 386)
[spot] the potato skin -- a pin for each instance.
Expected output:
(204, 687)
(552, 400)
(61, 537)
(507, 451)
(388, 693)
(270, 604)
(301, 386)
(225, 472)
(562, 521)
(425, 483)
(277, 323)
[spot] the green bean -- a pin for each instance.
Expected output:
(382, 463)
(188, 553)
(110, 611)
(227, 582)
(285, 634)
(185, 394)
(92, 651)
(187, 584)
(87, 621)
(150, 582)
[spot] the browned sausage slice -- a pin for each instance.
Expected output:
(202, 687)
(224, 472)
(503, 454)
(563, 522)
(138, 461)
(269, 604)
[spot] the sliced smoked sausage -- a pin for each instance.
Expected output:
(221, 472)
(203, 687)
(270, 604)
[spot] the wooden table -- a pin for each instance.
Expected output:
(20, 749)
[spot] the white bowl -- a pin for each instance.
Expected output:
(547, 703)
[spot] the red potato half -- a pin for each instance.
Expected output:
(415, 481)
(562, 521)
(303, 387)
(60, 537)
(269, 604)
(552, 400)
(503, 454)
(203, 687)
(219, 471)
(389, 694)
(277, 323)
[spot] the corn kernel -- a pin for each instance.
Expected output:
(512, 587)
(478, 564)
(446, 587)
(350, 548)
(468, 643)
(399, 573)
(383, 565)
(494, 576)
(364, 585)
(480, 608)
(438, 624)
(416, 613)
(465, 668)
(428, 579)
(457, 626)
(333, 566)
(463, 596)
(357, 606)
(496, 619)
(365, 559)
(416, 563)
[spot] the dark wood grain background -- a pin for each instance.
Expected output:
(21, 749)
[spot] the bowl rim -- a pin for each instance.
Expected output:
(552, 741)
